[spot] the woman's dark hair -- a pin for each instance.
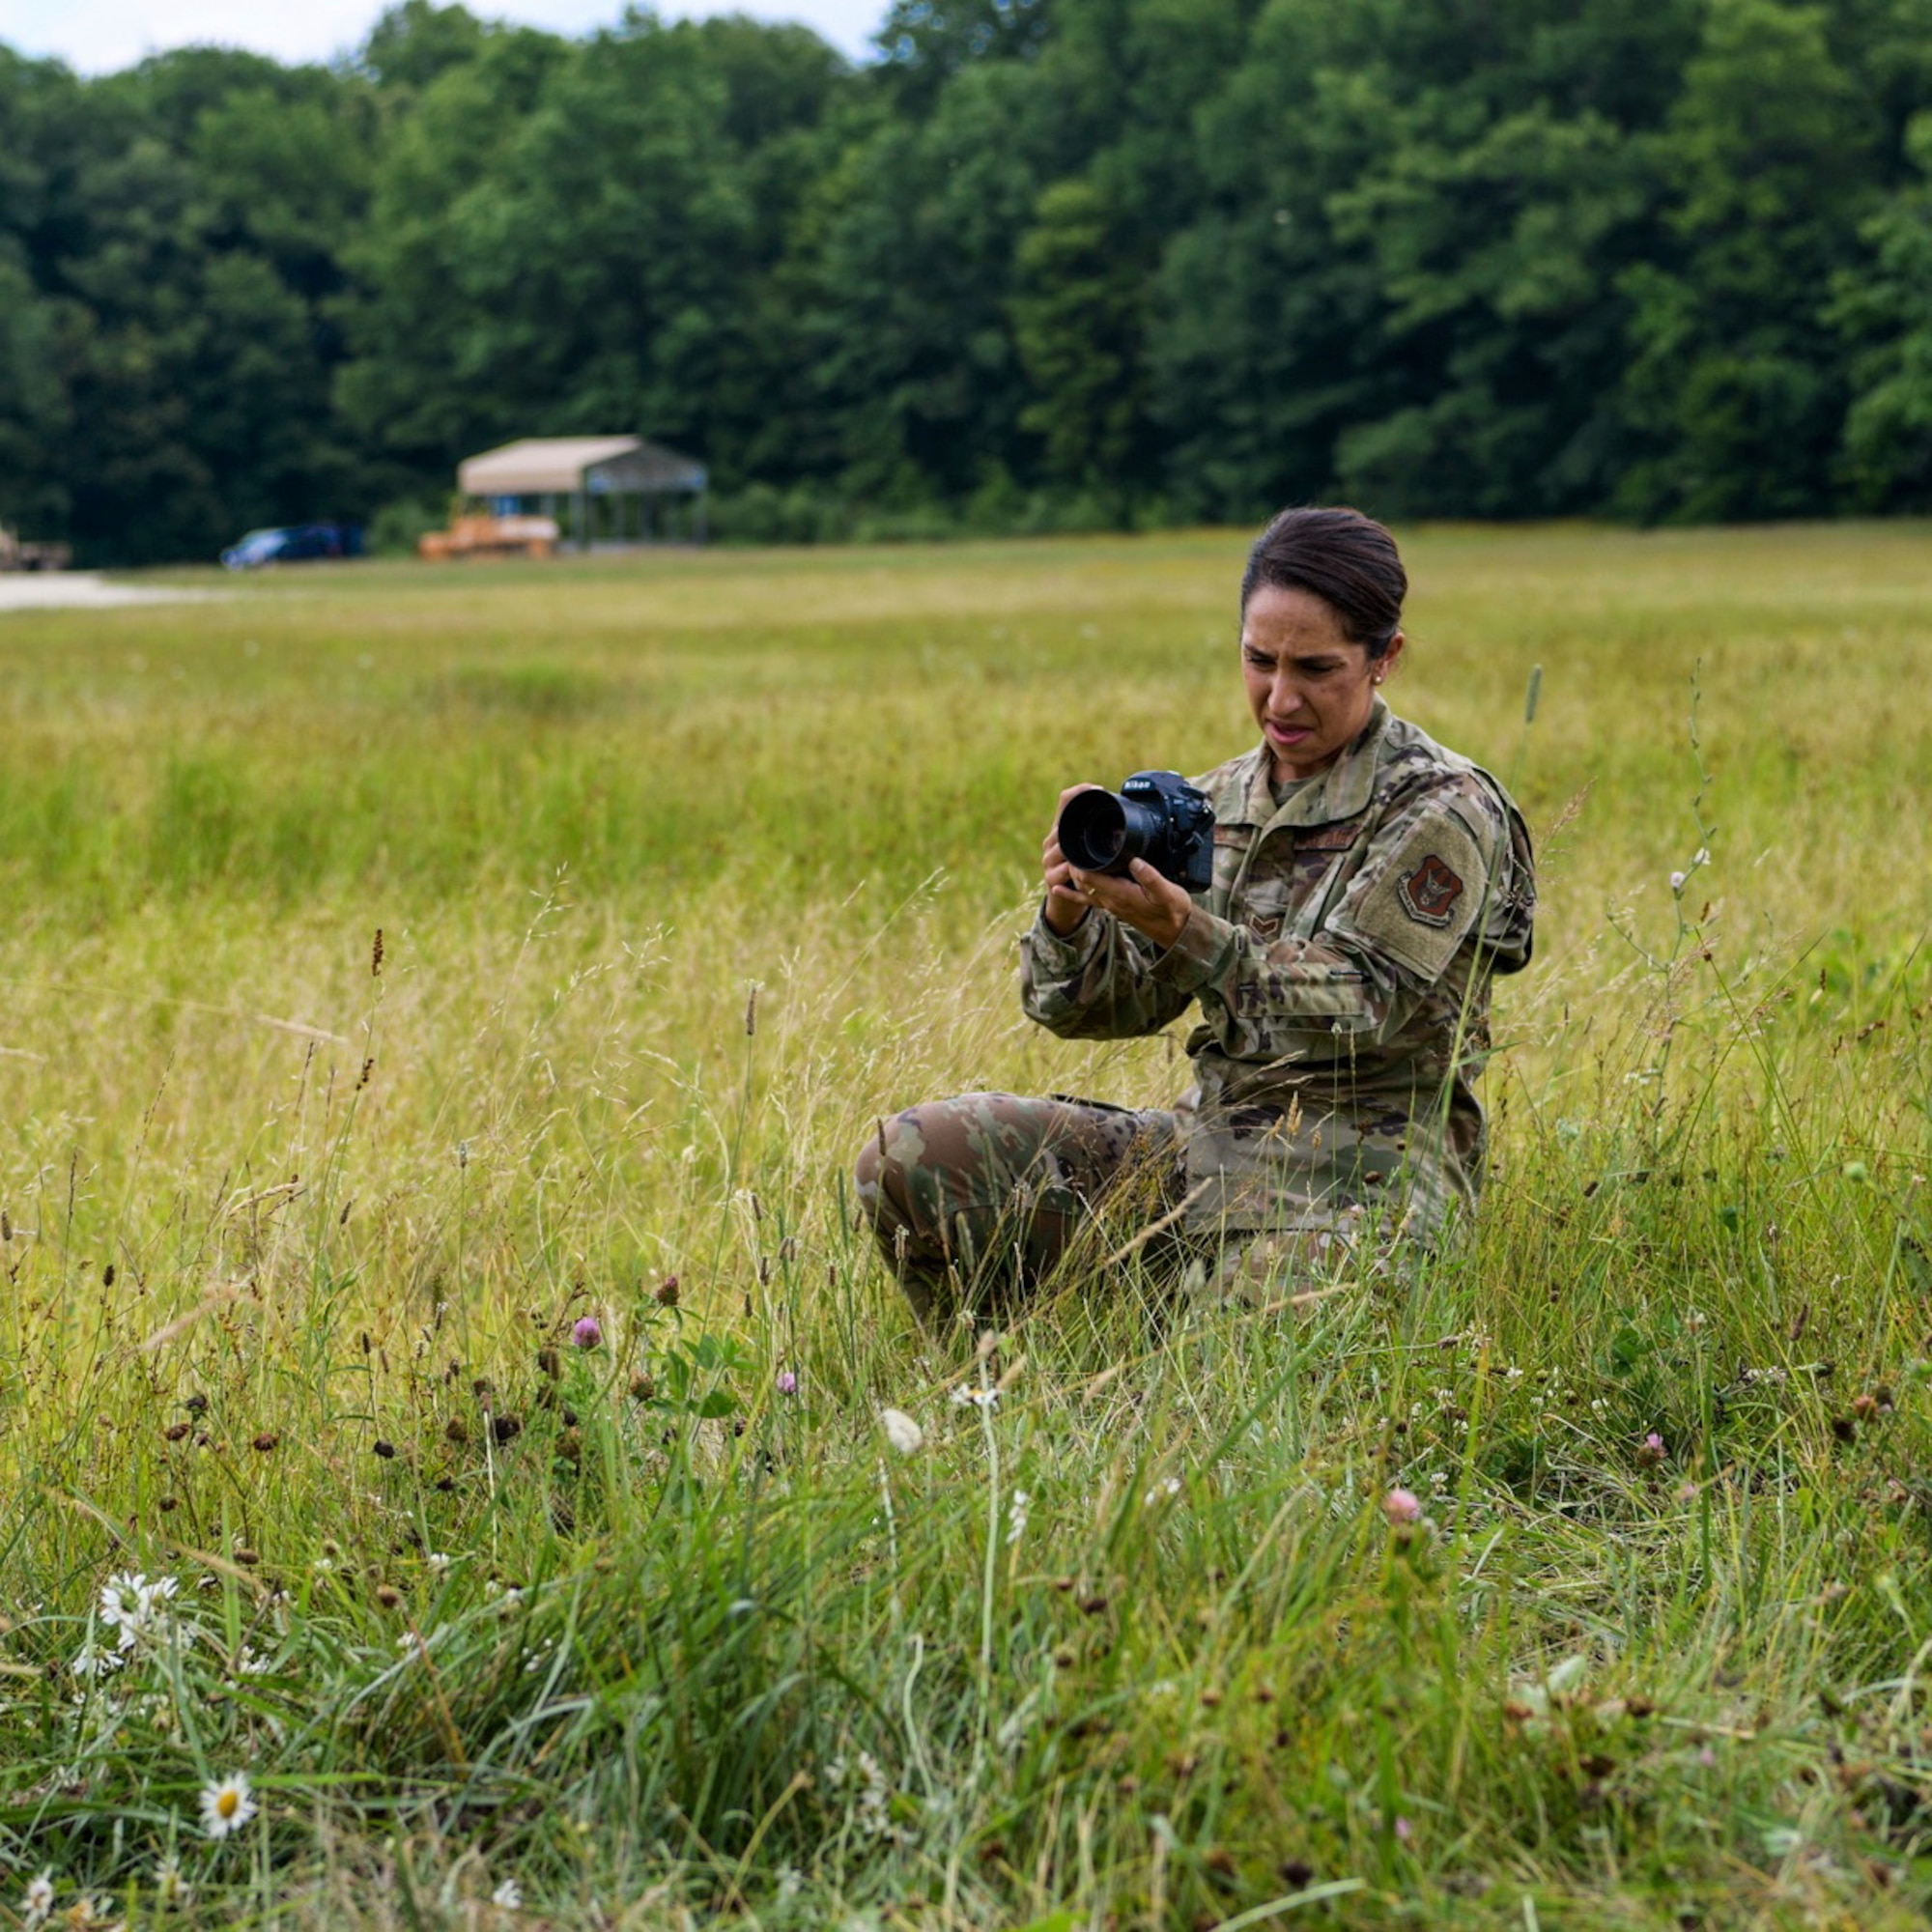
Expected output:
(1347, 559)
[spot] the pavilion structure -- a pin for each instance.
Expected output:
(605, 491)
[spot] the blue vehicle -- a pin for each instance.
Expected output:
(294, 543)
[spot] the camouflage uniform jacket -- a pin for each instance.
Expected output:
(1342, 961)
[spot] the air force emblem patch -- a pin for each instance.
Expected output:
(1430, 893)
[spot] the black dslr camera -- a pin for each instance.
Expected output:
(1155, 815)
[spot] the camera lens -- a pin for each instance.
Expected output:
(1092, 829)
(1101, 831)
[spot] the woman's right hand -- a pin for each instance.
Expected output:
(1066, 905)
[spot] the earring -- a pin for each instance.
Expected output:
(1377, 679)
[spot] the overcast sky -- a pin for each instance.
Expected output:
(98, 36)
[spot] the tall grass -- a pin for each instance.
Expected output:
(685, 871)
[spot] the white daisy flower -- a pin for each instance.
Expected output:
(508, 1897)
(123, 1596)
(226, 1806)
(135, 1608)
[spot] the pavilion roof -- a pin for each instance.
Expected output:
(535, 465)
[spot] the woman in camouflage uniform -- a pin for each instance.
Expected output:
(1368, 884)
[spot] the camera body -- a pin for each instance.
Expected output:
(1155, 815)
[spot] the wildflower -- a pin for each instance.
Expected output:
(1688, 1494)
(588, 1332)
(40, 1898)
(120, 1595)
(787, 1383)
(1651, 1452)
(901, 1430)
(966, 1396)
(437, 1560)
(1017, 1515)
(93, 1662)
(1401, 1506)
(1168, 1486)
(226, 1806)
(131, 1606)
(508, 1897)
(169, 1887)
(874, 1801)
(1677, 880)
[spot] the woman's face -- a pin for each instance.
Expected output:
(1310, 686)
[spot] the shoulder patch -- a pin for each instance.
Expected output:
(1417, 898)
(1430, 893)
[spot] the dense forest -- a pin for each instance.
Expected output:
(1039, 264)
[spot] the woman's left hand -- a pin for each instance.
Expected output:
(1151, 905)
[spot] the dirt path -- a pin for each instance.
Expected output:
(84, 590)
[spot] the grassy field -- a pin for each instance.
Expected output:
(684, 870)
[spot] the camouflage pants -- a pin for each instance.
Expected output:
(985, 1194)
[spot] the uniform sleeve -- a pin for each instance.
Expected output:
(1428, 876)
(1099, 982)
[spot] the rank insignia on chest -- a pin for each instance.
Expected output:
(1430, 893)
(1264, 927)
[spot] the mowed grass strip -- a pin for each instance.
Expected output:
(686, 870)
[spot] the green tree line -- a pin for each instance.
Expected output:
(1039, 264)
